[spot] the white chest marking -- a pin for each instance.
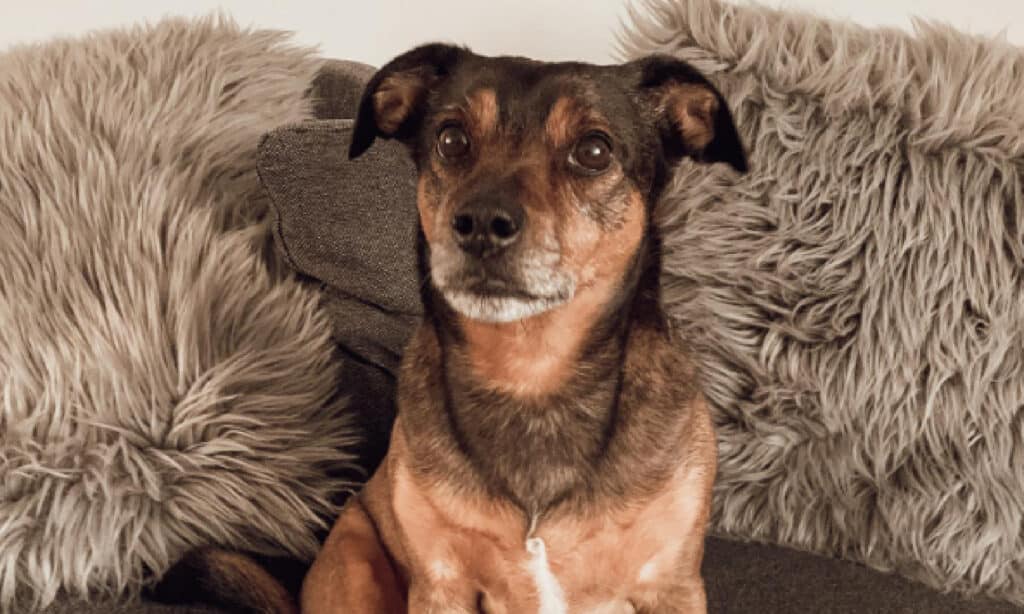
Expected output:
(442, 571)
(549, 591)
(649, 572)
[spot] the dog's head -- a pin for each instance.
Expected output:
(536, 179)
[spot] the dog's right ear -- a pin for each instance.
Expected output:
(392, 103)
(694, 115)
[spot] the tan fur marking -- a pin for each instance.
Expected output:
(395, 98)
(567, 119)
(692, 108)
(532, 357)
(483, 538)
(560, 121)
(482, 107)
(597, 255)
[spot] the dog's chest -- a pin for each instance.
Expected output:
(478, 552)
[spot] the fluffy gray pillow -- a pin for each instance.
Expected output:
(857, 299)
(163, 385)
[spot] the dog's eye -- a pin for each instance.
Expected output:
(592, 154)
(452, 142)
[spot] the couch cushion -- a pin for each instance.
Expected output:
(741, 578)
(351, 225)
(744, 578)
(103, 605)
(338, 87)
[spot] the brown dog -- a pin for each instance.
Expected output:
(552, 451)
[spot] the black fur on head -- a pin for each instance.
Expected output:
(397, 98)
(425, 66)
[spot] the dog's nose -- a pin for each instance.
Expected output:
(483, 229)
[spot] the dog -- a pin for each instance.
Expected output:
(552, 452)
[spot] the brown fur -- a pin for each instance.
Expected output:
(226, 579)
(483, 112)
(357, 568)
(559, 124)
(397, 95)
(534, 357)
(693, 108)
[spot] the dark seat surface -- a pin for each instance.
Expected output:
(744, 578)
(748, 579)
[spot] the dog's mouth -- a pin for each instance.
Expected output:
(491, 287)
(492, 299)
(506, 289)
(490, 306)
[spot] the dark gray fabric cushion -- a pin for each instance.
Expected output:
(100, 605)
(344, 221)
(743, 579)
(350, 225)
(746, 578)
(338, 87)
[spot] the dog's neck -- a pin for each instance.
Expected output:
(533, 405)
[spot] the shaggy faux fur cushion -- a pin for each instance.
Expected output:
(163, 384)
(858, 299)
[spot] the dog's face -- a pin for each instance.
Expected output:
(536, 179)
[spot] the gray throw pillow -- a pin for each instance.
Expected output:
(350, 225)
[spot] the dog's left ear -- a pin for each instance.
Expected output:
(394, 98)
(694, 116)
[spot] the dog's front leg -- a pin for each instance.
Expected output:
(434, 599)
(685, 597)
(353, 573)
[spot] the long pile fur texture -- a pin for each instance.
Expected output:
(857, 301)
(163, 384)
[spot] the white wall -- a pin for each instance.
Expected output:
(375, 30)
